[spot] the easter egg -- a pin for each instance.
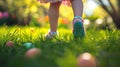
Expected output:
(28, 45)
(86, 60)
(1, 15)
(5, 14)
(9, 43)
(32, 53)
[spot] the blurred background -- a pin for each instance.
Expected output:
(98, 14)
(26, 21)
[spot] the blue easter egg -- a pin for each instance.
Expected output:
(28, 45)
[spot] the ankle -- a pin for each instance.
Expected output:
(77, 18)
(53, 33)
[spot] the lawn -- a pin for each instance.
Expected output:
(61, 51)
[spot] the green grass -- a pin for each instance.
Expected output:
(61, 51)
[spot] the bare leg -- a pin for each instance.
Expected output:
(53, 15)
(77, 6)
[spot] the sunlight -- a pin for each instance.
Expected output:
(86, 21)
(99, 21)
(86, 56)
(89, 7)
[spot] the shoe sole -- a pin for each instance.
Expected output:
(78, 30)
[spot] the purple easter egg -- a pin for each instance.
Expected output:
(5, 14)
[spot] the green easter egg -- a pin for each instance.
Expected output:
(28, 45)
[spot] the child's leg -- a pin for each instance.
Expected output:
(78, 28)
(53, 15)
(77, 6)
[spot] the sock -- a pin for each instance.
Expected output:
(53, 33)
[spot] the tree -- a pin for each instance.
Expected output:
(111, 9)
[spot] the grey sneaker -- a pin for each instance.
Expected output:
(51, 35)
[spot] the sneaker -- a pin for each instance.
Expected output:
(51, 35)
(78, 27)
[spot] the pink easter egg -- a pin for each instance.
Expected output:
(32, 53)
(86, 60)
(10, 44)
(1, 15)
